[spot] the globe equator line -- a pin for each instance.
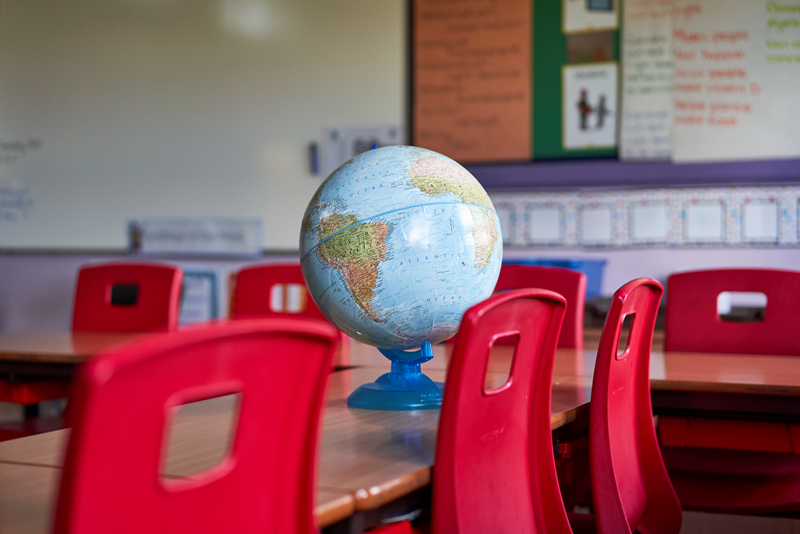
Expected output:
(312, 249)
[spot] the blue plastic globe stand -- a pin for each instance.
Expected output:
(404, 388)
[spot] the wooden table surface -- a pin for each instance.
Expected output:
(28, 497)
(59, 347)
(367, 457)
(72, 348)
(669, 371)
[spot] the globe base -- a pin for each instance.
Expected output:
(404, 388)
(393, 391)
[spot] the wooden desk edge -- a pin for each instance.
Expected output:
(570, 416)
(377, 496)
(335, 510)
(41, 357)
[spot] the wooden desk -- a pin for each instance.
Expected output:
(669, 371)
(747, 387)
(753, 387)
(367, 458)
(55, 353)
(569, 362)
(28, 495)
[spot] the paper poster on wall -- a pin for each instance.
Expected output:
(471, 79)
(737, 66)
(646, 80)
(589, 15)
(589, 105)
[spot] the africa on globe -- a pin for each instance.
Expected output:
(397, 243)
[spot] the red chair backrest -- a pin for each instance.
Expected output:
(630, 486)
(570, 284)
(494, 468)
(694, 325)
(151, 304)
(252, 294)
(266, 484)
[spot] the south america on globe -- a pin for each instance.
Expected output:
(397, 243)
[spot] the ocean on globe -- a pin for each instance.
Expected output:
(397, 244)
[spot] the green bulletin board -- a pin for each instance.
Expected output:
(549, 56)
(450, 44)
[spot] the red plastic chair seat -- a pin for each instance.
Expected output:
(568, 283)
(630, 487)
(752, 470)
(156, 309)
(693, 324)
(495, 469)
(157, 305)
(111, 472)
(252, 293)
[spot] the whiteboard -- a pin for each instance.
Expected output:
(112, 110)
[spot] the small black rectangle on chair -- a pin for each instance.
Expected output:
(124, 294)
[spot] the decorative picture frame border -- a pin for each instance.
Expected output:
(677, 203)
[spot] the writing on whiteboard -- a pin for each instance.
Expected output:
(11, 151)
(15, 202)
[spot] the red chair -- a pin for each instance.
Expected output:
(568, 283)
(253, 292)
(630, 487)
(127, 297)
(111, 472)
(495, 468)
(109, 297)
(728, 465)
(693, 324)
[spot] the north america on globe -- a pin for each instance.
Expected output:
(397, 243)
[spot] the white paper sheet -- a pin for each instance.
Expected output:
(590, 105)
(737, 68)
(649, 223)
(646, 80)
(704, 222)
(760, 221)
(596, 225)
(545, 224)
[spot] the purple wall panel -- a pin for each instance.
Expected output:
(612, 173)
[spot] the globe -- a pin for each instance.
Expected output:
(397, 243)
